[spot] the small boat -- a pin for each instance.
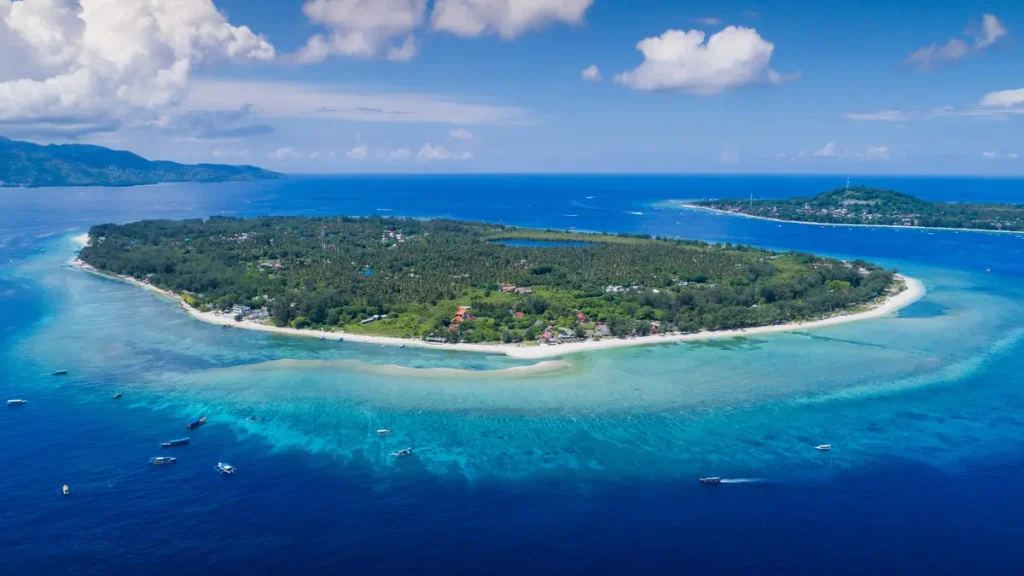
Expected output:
(118, 396)
(225, 468)
(402, 452)
(60, 372)
(196, 424)
(988, 269)
(162, 460)
(823, 448)
(15, 402)
(383, 432)
(66, 490)
(711, 481)
(253, 419)
(177, 442)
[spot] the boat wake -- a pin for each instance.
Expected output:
(741, 480)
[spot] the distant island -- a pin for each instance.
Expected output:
(24, 164)
(445, 281)
(862, 205)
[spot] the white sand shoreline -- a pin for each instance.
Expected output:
(913, 291)
(670, 205)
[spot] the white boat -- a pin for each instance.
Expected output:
(402, 452)
(823, 447)
(15, 402)
(225, 468)
(383, 432)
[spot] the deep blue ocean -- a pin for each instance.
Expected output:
(592, 469)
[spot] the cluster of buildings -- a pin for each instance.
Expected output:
(510, 289)
(248, 313)
(461, 315)
(389, 236)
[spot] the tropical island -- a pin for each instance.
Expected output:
(24, 164)
(446, 281)
(862, 205)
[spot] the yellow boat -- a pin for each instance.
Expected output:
(67, 490)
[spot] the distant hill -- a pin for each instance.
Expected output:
(31, 165)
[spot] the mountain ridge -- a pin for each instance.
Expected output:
(26, 164)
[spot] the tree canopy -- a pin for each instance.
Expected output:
(347, 273)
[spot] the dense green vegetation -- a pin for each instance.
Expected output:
(333, 272)
(28, 164)
(864, 205)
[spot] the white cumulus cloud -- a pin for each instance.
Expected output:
(399, 154)
(591, 73)
(360, 152)
(363, 28)
(829, 149)
(431, 152)
(933, 55)
(679, 60)
(508, 18)
(94, 61)
(286, 153)
(1004, 98)
(461, 134)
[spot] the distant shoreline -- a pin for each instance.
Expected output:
(912, 291)
(672, 204)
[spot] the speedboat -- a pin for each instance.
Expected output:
(196, 423)
(60, 372)
(66, 490)
(823, 448)
(711, 480)
(402, 452)
(177, 442)
(15, 402)
(162, 460)
(118, 396)
(225, 468)
(383, 432)
(253, 419)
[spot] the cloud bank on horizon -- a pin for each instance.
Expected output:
(513, 85)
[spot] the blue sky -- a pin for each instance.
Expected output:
(329, 86)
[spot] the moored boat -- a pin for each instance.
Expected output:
(253, 419)
(177, 442)
(162, 460)
(383, 432)
(225, 468)
(118, 396)
(711, 480)
(402, 452)
(60, 372)
(15, 402)
(196, 424)
(823, 448)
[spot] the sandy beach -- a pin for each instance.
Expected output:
(913, 291)
(677, 205)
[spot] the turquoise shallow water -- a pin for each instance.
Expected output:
(935, 390)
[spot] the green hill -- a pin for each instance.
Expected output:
(874, 206)
(30, 165)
